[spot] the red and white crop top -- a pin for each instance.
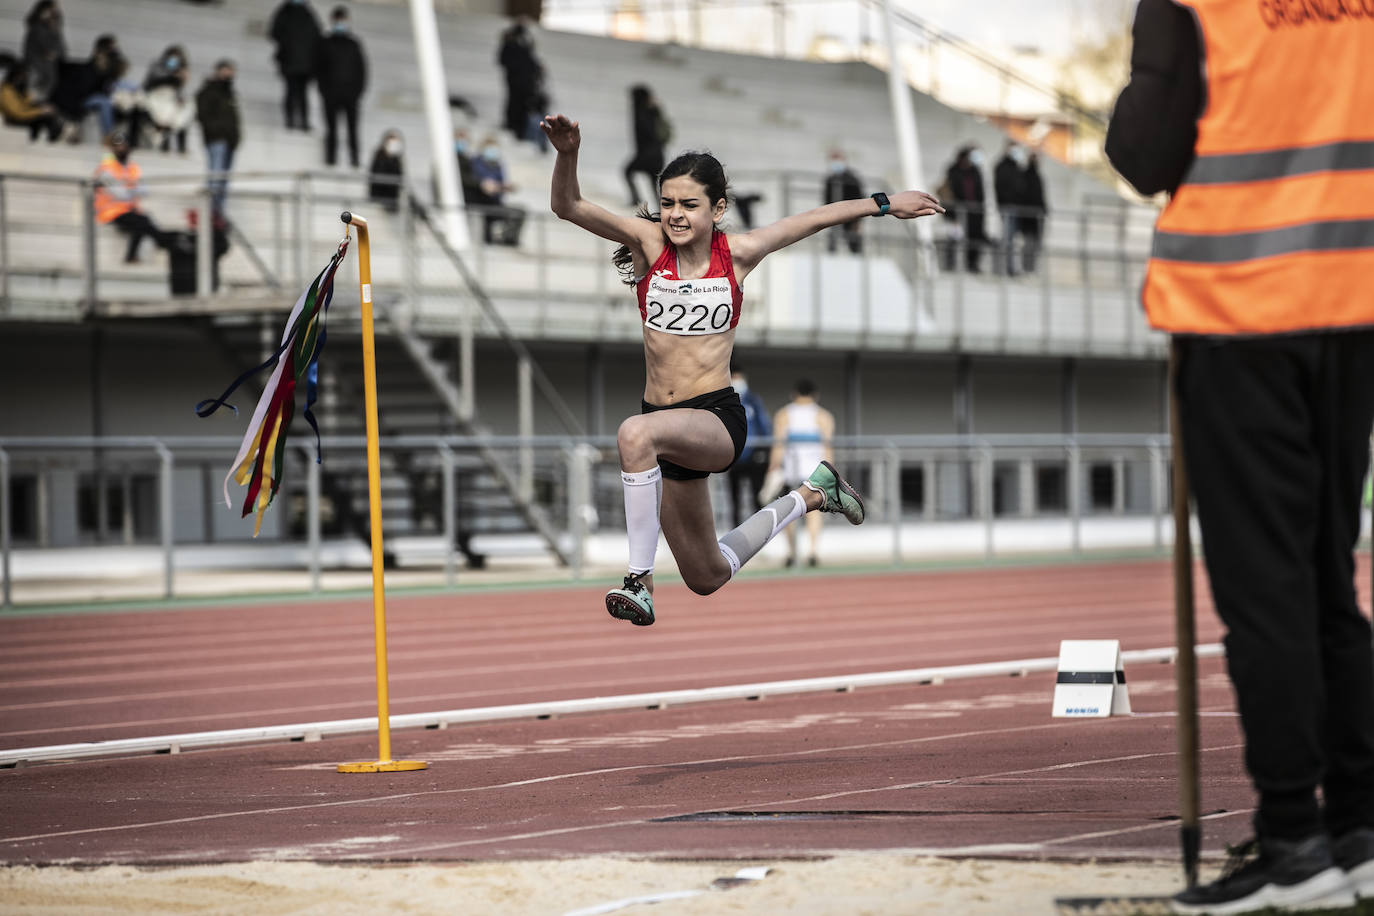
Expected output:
(691, 308)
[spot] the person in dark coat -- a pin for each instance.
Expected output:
(516, 57)
(217, 110)
(295, 30)
(45, 47)
(965, 181)
(384, 174)
(842, 184)
(1009, 187)
(341, 74)
(86, 86)
(1033, 219)
(651, 133)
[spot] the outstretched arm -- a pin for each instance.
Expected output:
(567, 202)
(751, 247)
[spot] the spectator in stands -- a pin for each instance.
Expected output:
(118, 187)
(18, 107)
(295, 30)
(965, 182)
(501, 223)
(516, 57)
(126, 96)
(386, 170)
(842, 184)
(341, 75)
(462, 149)
(652, 131)
(217, 110)
(86, 86)
(751, 466)
(744, 205)
(539, 103)
(170, 109)
(1033, 219)
(45, 47)
(1009, 187)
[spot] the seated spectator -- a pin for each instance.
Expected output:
(386, 170)
(118, 187)
(462, 148)
(86, 86)
(501, 224)
(170, 109)
(17, 106)
(126, 96)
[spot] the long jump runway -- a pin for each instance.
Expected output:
(975, 767)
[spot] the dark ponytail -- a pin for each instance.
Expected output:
(701, 167)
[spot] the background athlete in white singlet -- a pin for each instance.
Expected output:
(688, 276)
(802, 432)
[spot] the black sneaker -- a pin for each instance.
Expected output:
(1297, 874)
(1354, 853)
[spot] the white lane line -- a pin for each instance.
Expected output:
(298, 731)
(923, 784)
(882, 636)
(1062, 607)
(534, 780)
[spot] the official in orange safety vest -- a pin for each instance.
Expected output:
(118, 187)
(1257, 116)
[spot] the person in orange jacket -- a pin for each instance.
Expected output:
(118, 187)
(1257, 120)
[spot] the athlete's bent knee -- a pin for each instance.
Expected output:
(633, 438)
(705, 585)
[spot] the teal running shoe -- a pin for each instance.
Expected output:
(631, 602)
(836, 492)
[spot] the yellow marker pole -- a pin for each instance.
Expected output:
(383, 763)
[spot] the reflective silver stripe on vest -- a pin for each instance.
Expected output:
(1197, 248)
(1236, 168)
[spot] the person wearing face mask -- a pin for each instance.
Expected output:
(118, 188)
(842, 184)
(501, 222)
(170, 110)
(965, 182)
(1009, 187)
(752, 466)
(341, 75)
(462, 150)
(384, 174)
(217, 110)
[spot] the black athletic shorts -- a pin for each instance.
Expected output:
(725, 404)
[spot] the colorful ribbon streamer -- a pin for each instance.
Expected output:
(262, 454)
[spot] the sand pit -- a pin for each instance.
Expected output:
(845, 885)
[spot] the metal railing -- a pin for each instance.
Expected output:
(555, 280)
(991, 481)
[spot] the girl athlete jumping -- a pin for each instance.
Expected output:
(689, 277)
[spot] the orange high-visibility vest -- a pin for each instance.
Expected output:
(107, 206)
(1272, 229)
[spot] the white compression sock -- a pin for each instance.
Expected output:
(743, 543)
(642, 492)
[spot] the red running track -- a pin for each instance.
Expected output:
(966, 766)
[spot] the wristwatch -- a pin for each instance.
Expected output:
(883, 203)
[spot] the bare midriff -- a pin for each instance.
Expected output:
(678, 368)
